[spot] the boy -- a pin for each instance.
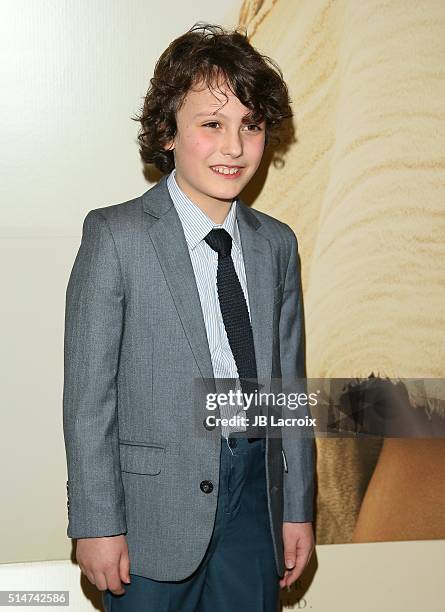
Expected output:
(183, 283)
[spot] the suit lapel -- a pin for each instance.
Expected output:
(169, 242)
(258, 265)
(167, 235)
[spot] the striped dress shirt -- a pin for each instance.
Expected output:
(196, 225)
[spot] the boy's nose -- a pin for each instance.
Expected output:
(232, 144)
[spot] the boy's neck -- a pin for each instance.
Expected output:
(216, 210)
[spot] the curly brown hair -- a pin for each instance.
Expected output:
(209, 54)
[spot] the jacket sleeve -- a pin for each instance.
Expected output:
(94, 316)
(298, 443)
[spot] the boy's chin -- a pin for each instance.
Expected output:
(228, 192)
(226, 196)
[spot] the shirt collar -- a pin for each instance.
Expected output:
(195, 222)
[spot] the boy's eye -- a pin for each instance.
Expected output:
(254, 125)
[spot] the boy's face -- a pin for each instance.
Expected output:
(211, 136)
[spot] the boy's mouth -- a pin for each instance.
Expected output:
(227, 172)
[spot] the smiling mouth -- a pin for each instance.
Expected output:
(227, 171)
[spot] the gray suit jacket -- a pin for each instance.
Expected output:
(135, 340)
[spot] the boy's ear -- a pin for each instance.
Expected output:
(169, 146)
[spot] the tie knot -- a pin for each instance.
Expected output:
(220, 241)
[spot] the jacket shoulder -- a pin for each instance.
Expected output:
(119, 217)
(275, 230)
(120, 211)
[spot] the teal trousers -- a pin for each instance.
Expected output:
(238, 572)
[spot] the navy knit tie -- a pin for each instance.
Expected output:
(234, 309)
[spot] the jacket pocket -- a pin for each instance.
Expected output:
(141, 458)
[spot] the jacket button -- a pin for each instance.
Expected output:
(206, 486)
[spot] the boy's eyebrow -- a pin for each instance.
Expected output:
(209, 113)
(246, 117)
